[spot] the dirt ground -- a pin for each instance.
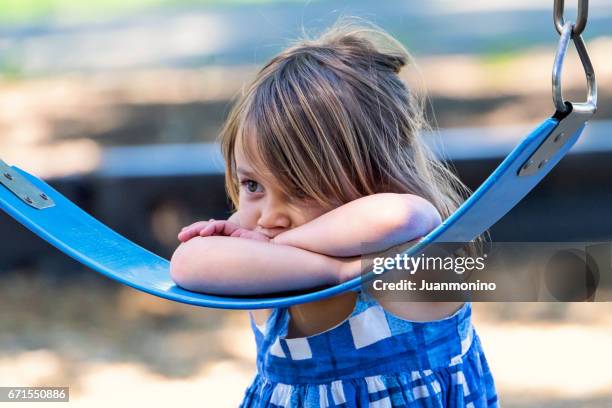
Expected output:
(114, 345)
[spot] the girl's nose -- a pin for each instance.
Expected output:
(273, 220)
(273, 216)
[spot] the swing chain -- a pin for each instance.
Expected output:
(581, 19)
(570, 31)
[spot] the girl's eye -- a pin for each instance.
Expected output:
(252, 186)
(299, 194)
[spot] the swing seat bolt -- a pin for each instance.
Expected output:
(558, 137)
(29, 200)
(8, 176)
(44, 196)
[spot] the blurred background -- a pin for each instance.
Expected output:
(118, 103)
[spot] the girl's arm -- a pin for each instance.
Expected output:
(323, 251)
(367, 225)
(229, 265)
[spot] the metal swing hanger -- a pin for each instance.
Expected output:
(569, 30)
(571, 116)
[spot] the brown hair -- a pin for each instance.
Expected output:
(334, 122)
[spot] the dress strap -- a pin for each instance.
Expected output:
(365, 300)
(272, 322)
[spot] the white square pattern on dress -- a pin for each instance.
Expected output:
(337, 391)
(299, 348)
(281, 395)
(420, 391)
(375, 384)
(369, 326)
(459, 378)
(323, 402)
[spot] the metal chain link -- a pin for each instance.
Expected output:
(570, 31)
(581, 19)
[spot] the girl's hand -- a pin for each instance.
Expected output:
(248, 234)
(207, 228)
(218, 227)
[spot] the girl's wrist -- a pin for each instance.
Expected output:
(348, 268)
(279, 239)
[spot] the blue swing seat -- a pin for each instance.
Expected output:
(87, 240)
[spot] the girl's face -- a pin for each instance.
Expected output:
(263, 207)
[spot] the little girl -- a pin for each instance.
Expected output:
(324, 154)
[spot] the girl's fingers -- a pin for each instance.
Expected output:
(213, 228)
(193, 230)
(207, 228)
(229, 228)
(186, 235)
(260, 237)
(248, 234)
(236, 234)
(219, 228)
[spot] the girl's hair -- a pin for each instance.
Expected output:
(332, 121)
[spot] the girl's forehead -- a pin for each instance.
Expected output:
(246, 152)
(248, 158)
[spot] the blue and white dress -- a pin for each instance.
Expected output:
(372, 359)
